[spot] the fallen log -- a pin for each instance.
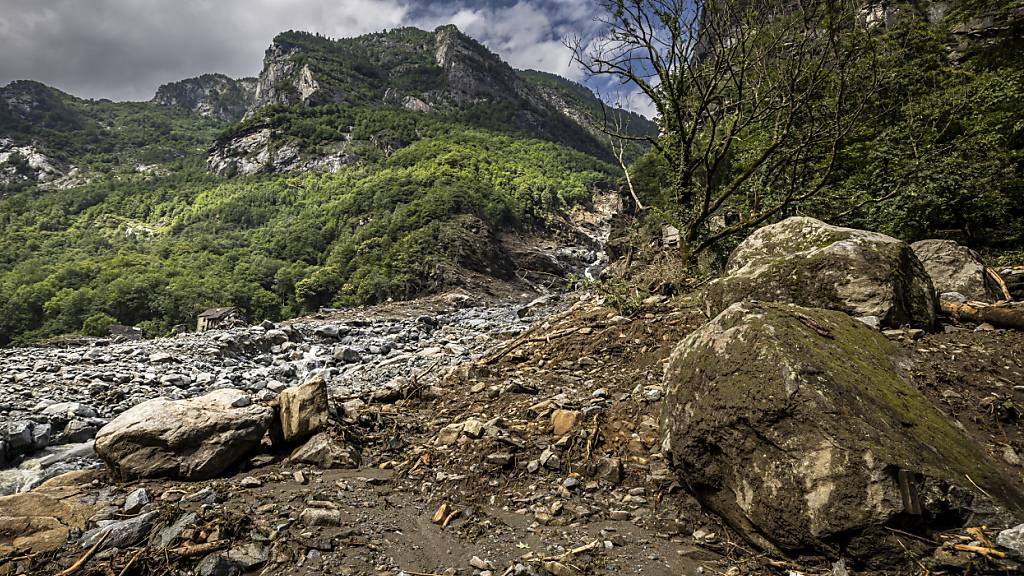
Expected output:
(1001, 316)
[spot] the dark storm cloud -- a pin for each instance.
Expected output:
(124, 49)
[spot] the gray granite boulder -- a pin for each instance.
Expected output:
(956, 268)
(190, 439)
(795, 426)
(808, 262)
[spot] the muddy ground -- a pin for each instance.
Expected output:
(470, 477)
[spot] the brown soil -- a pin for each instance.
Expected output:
(610, 507)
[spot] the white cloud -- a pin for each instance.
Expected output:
(124, 49)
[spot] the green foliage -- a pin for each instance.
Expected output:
(99, 134)
(98, 324)
(939, 152)
(943, 152)
(154, 250)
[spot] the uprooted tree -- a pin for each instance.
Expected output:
(755, 99)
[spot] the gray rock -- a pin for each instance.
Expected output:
(64, 411)
(217, 564)
(1012, 539)
(792, 423)
(205, 495)
(123, 533)
(311, 517)
(956, 268)
(77, 431)
(347, 355)
(25, 436)
(135, 500)
(873, 322)
(248, 556)
(189, 439)
(170, 535)
(324, 451)
(807, 262)
(953, 297)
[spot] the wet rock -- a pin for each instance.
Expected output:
(189, 439)
(956, 268)
(303, 409)
(745, 418)
(808, 262)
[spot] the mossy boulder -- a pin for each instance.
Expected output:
(956, 268)
(808, 262)
(795, 426)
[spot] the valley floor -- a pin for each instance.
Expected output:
(501, 445)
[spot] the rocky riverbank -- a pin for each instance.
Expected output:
(54, 399)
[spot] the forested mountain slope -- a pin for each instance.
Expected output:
(366, 168)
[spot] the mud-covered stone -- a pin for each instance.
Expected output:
(794, 425)
(808, 262)
(192, 439)
(40, 520)
(956, 268)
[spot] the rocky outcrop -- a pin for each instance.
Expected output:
(283, 80)
(189, 439)
(472, 72)
(808, 262)
(793, 425)
(255, 151)
(210, 96)
(956, 268)
(29, 164)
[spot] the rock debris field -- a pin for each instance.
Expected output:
(53, 400)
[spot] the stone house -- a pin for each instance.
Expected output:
(215, 318)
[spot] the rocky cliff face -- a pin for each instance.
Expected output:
(282, 80)
(442, 72)
(210, 96)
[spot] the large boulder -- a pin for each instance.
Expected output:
(303, 409)
(808, 262)
(190, 439)
(794, 425)
(41, 520)
(956, 268)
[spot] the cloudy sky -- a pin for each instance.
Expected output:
(124, 49)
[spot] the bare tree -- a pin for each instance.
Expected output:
(755, 98)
